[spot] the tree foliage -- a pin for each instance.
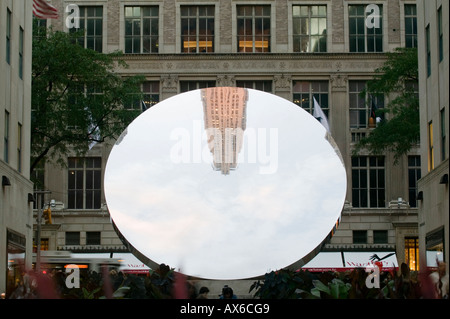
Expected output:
(399, 131)
(77, 98)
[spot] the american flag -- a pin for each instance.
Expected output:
(44, 10)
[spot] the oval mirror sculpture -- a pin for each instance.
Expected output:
(225, 183)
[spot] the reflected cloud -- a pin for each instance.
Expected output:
(232, 226)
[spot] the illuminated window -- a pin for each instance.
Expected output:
(412, 253)
(253, 28)
(91, 23)
(197, 29)
(141, 29)
(305, 91)
(430, 147)
(410, 26)
(365, 37)
(310, 28)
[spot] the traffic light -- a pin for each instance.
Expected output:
(47, 215)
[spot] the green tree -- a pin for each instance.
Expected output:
(77, 98)
(399, 131)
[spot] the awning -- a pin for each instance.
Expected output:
(343, 261)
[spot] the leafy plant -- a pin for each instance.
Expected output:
(396, 79)
(77, 96)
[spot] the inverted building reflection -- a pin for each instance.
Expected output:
(225, 122)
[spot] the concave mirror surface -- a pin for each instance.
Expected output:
(225, 183)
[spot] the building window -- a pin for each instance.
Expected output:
(93, 238)
(265, 86)
(19, 147)
(365, 28)
(310, 28)
(363, 109)
(443, 136)
(414, 174)
(358, 108)
(412, 253)
(72, 238)
(141, 29)
(21, 53)
(253, 28)
(430, 147)
(380, 236)
(8, 36)
(368, 181)
(197, 29)
(428, 47)
(360, 237)
(410, 26)
(91, 24)
(441, 34)
(84, 188)
(305, 91)
(186, 86)
(6, 138)
(151, 93)
(39, 27)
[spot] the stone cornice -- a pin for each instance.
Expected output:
(253, 64)
(257, 56)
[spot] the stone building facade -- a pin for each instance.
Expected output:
(16, 189)
(434, 110)
(294, 49)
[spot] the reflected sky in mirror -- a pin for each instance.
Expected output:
(225, 183)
